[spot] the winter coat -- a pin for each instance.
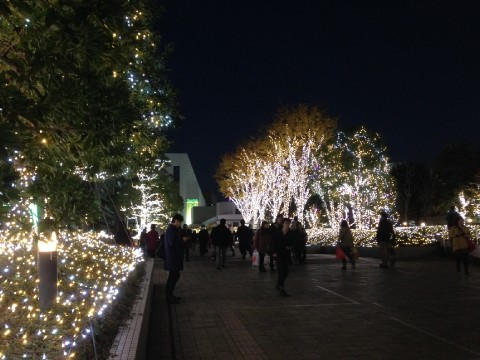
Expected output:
(262, 240)
(345, 237)
(385, 231)
(459, 236)
(203, 236)
(283, 243)
(152, 239)
(452, 218)
(300, 238)
(221, 236)
(174, 248)
(244, 234)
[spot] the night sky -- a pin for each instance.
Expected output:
(408, 70)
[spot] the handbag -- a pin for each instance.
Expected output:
(255, 258)
(339, 254)
(471, 245)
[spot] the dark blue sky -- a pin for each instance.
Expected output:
(409, 70)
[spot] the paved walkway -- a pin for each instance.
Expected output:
(418, 310)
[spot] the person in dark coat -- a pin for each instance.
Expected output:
(203, 238)
(174, 247)
(263, 239)
(452, 217)
(386, 240)
(143, 241)
(153, 238)
(221, 238)
(300, 242)
(283, 244)
(275, 228)
(244, 236)
(186, 232)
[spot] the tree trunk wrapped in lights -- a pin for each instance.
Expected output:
(359, 183)
(264, 176)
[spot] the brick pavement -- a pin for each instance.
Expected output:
(418, 310)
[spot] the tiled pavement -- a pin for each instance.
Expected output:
(418, 310)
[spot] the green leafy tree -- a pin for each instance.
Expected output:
(83, 92)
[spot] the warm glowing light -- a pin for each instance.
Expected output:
(48, 245)
(90, 272)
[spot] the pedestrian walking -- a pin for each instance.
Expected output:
(174, 248)
(345, 239)
(283, 243)
(262, 239)
(232, 242)
(221, 239)
(460, 235)
(143, 241)
(153, 239)
(244, 236)
(300, 242)
(193, 240)
(275, 228)
(186, 232)
(386, 240)
(203, 238)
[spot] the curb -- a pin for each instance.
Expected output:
(131, 340)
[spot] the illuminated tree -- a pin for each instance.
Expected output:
(454, 170)
(154, 203)
(241, 179)
(358, 184)
(469, 199)
(83, 93)
(264, 176)
(296, 135)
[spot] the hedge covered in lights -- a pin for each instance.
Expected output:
(406, 236)
(90, 275)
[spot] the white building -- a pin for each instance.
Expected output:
(183, 174)
(223, 210)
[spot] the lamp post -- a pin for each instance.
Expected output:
(47, 271)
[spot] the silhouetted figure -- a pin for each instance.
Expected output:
(283, 243)
(174, 247)
(153, 238)
(452, 217)
(244, 236)
(345, 239)
(386, 240)
(203, 240)
(460, 234)
(221, 239)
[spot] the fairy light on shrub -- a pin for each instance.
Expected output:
(90, 273)
(406, 236)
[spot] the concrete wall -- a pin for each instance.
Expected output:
(226, 208)
(203, 213)
(188, 185)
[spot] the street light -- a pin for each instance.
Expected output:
(47, 271)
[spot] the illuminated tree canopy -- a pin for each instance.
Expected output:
(299, 157)
(357, 183)
(84, 95)
(268, 175)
